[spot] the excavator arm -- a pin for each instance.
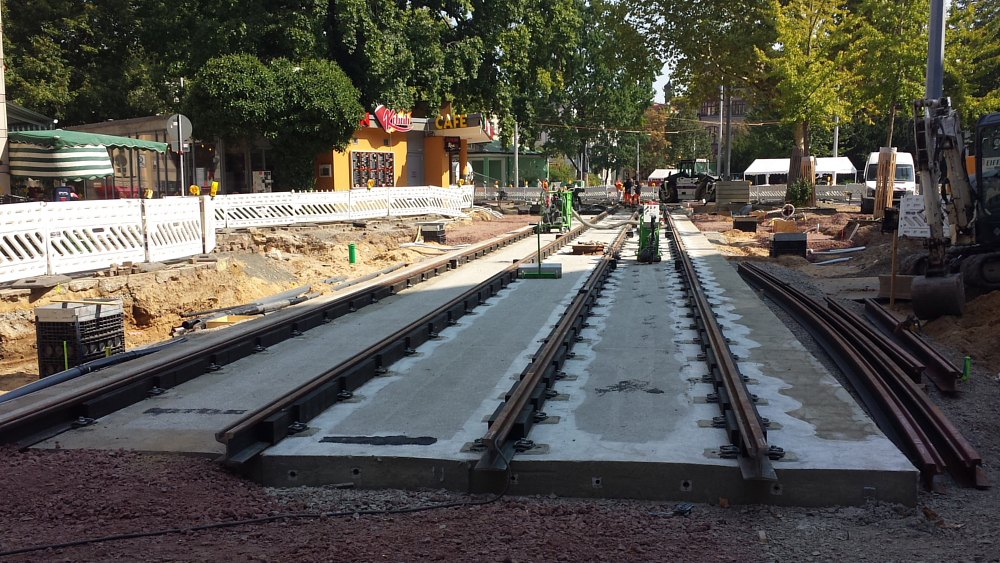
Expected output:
(947, 193)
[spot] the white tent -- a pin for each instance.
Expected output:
(824, 165)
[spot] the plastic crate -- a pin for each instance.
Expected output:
(70, 342)
(788, 243)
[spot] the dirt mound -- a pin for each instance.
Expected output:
(973, 334)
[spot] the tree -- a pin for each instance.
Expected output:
(306, 108)
(674, 134)
(807, 78)
(972, 59)
(889, 50)
(77, 60)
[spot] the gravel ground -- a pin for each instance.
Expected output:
(958, 526)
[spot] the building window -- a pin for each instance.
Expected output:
(325, 170)
(739, 107)
(709, 107)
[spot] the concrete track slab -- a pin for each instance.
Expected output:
(631, 419)
(186, 418)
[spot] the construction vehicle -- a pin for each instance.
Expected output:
(969, 255)
(691, 182)
(649, 234)
(556, 209)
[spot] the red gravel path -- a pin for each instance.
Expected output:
(69, 495)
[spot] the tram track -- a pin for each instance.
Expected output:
(32, 419)
(256, 431)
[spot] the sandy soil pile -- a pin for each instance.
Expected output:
(975, 333)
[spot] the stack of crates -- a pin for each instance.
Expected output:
(71, 334)
(788, 243)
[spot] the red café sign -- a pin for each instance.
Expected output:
(391, 120)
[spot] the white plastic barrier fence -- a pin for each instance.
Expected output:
(76, 236)
(531, 193)
(23, 241)
(173, 228)
(87, 235)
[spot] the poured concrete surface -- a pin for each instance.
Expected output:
(186, 418)
(630, 420)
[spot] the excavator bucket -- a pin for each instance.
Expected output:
(936, 296)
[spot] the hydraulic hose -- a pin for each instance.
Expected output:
(603, 227)
(83, 369)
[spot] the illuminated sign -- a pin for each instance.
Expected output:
(391, 120)
(452, 144)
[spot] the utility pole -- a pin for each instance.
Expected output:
(935, 51)
(836, 136)
(4, 158)
(517, 171)
(718, 137)
(729, 130)
(637, 158)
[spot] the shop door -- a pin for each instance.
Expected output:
(415, 158)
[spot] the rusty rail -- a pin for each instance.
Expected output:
(898, 405)
(514, 418)
(744, 425)
(938, 369)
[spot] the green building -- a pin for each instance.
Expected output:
(492, 163)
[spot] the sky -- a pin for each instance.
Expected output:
(658, 85)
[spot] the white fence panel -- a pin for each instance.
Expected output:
(912, 221)
(173, 228)
(410, 201)
(321, 207)
(255, 210)
(89, 235)
(208, 224)
(367, 204)
(446, 201)
(22, 241)
(468, 196)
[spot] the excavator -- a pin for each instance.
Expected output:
(692, 181)
(969, 255)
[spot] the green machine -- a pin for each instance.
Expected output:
(649, 235)
(556, 209)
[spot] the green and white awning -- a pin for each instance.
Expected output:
(67, 163)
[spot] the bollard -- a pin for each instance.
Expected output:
(351, 253)
(966, 368)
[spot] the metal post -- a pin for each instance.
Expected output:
(836, 136)
(637, 158)
(517, 169)
(729, 131)
(180, 152)
(718, 136)
(4, 160)
(935, 51)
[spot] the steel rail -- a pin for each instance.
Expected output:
(266, 426)
(528, 394)
(28, 422)
(938, 369)
(752, 439)
(898, 405)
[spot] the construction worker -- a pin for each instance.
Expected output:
(637, 192)
(618, 186)
(627, 191)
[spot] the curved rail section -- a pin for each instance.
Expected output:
(260, 429)
(746, 429)
(27, 423)
(900, 408)
(514, 417)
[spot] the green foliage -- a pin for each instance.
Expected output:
(561, 172)
(306, 108)
(888, 54)
(797, 193)
(972, 59)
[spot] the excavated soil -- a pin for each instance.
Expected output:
(974, 334)
(286, 257)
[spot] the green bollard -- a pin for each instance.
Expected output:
(351, 253)
(966, 368)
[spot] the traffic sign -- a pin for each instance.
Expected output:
(175, 122)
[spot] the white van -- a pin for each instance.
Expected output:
(905, 178)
